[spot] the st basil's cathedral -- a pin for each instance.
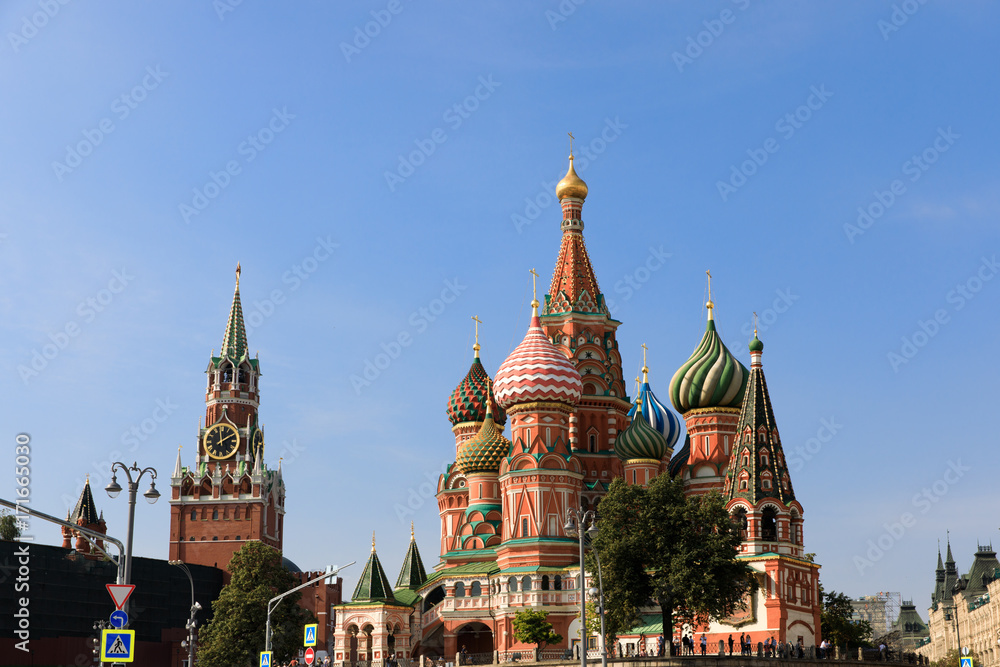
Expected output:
(503, 503)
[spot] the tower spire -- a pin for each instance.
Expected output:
(709, 304)
(475, 347)
(645, 368)
(234, 342)
(534, 294)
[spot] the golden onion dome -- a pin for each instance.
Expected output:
(571, 185)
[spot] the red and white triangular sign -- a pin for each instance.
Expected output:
(119, 593)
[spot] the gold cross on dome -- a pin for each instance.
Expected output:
(571, 138)
(475, 347)
(238, 269)
(755, 324)
(709, 274)
(534, 289)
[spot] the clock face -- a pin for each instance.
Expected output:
(221, 441)
(258, 443)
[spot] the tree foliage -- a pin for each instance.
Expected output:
(9, 530)
(657, 544)
(952, 659)
(235, 635)
(838, 625)
(533, 627)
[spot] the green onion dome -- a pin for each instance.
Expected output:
(483, 451)
(755, 344)
(640, 441)
(711, 378)
(468, 402)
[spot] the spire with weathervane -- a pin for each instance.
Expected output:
(234, 342)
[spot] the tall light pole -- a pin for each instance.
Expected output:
(195, 607)
(151, 496)
(599, 593)
(581, 525)
(273, 602)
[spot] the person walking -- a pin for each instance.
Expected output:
(730, 644)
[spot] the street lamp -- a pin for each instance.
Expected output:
(195, 607)
(581, 525)
(599, 593)
(151, 495)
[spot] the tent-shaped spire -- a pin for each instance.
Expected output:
(373, 585)
(85, 508)
(412, 575)
(757, 468)
(234, 343)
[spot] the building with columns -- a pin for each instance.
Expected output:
(503, 503)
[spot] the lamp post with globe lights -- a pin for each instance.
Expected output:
(598, 592)
(195, 608)
(151, 495)
(582, 525)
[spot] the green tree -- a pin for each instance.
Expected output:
(951, 659)
(659, 545)
(838, 625)
(235, 635)
(533, 627)
(9, 530)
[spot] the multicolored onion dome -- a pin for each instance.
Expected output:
(468, 402)
(483, 451)
(571, 185)
(659, 416)
(640, 441)
(537, 371)
(711, 378)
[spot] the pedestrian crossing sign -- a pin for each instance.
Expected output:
(311, 634)
(265, 659)
(966, 661)
(117, 645)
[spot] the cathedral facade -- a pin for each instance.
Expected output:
(503, 503)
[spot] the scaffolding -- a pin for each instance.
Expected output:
(880, 610)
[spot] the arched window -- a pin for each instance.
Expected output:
(545, 582)
(740, 518)
(512, 584)
(460, 590)
(194, 515)
(236, 514)
(192, 539)
(526, 583)
(237, 537)
(227, 374)
(593, 442)
(763, 459)
(476, 589)
(215, 538)
(215, 515)
(557, 583)
(769, 524)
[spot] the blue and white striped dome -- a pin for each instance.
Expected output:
(657, 414)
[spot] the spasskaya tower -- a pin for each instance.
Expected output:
(229, 495)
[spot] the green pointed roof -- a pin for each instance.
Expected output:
(413, 575)
(234, 342)
(373, 585)
(85, 508)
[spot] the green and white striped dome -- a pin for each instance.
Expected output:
(640, 441)
(711, 378)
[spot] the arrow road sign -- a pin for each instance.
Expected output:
(117, 645)
(119, 619)
(120, 593)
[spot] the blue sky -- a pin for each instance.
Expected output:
(419, 161)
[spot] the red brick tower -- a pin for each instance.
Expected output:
(229, 496)
(540, 479)
(576, 319)
(85, 515)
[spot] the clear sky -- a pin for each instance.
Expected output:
(399, 182)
